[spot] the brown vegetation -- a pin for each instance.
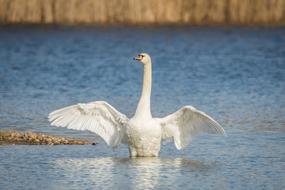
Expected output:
(14, 137)
(189, 12)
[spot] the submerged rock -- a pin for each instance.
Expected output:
(31, 138)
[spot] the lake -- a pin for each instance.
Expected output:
(236, 75)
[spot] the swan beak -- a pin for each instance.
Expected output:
(138, 58)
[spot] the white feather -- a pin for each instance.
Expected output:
(98, 117)
(185, 124)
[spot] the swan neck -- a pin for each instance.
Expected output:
(144, 103)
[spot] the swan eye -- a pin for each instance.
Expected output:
(139, 57)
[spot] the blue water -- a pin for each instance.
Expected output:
(236, 75)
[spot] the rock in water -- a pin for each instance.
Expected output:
(31, 138)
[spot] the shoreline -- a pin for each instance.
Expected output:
(8, 137)
(149, 12)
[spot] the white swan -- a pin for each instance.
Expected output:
(142, 132)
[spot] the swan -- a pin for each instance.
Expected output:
(142, 132)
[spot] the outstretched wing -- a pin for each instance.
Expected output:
(98, 117)
(186, 123)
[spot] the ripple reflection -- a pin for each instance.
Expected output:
(128, 173)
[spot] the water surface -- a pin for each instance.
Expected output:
(236, 75)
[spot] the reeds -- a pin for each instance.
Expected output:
(185, 12)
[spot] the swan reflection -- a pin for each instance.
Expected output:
(127, 173)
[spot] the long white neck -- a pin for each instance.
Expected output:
(143, 108)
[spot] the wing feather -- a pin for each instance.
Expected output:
(98, 117)
(186, 123)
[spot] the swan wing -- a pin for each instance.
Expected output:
(186, 123)
(98, 117)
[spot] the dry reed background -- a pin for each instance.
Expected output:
(189, 12)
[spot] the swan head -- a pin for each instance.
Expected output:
(144, 58)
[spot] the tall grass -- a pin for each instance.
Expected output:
(189, 12)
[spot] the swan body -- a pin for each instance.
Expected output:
(142, 132)
(144, 137)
